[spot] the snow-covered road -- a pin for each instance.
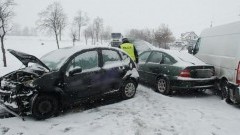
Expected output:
(149, 113)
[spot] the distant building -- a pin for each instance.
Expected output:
(189, 37)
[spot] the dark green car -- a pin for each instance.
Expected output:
(171, 70)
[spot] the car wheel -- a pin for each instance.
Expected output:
(224, 91)
(228, 100)
(44, 106)
(163, 86)
(128, 89)
(224, 88)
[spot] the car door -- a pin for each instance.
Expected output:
(81, 84)
(112, 70)
(142, 64)
(152, 66)
(167, 67)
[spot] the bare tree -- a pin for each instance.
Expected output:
(91, 33)
(87, 34)
(51, 19)
(73, 35)
(106, 33)
(98, 26)
(163, 35)
(63, 24)
(81, 20)
(6, 14)
(145, 34)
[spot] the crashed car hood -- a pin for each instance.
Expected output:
(27, 58)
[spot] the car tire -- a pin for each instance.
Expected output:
(162, 86)
(128, 89)
(223, 88)
(44, 106)
(224, 91)
(228, 100)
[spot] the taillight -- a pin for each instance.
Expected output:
(185, 73)
(238, 74)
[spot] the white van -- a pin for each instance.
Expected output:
(220, 47)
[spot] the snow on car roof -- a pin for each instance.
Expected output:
(68, 51)
(183, 58)
(59, 57)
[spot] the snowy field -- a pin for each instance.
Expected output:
(149, 113)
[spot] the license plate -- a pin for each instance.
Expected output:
(206, 73)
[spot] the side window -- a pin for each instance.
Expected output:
(125, 58)
(143, 57)
(167, 60)
(86, 60)
(155, 57)
(110, 57)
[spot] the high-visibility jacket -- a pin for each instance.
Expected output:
(129, 49)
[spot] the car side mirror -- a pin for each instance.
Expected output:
(190, 49)
(195, 51)
(75, 71)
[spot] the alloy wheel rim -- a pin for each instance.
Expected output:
(161, 85)
(129, 89)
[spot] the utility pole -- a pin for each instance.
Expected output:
(239, 13)
(211, 24)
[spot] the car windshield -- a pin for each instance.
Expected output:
(55, 59)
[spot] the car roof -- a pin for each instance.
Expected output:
(69, 51)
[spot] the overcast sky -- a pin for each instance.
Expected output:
(180, 15)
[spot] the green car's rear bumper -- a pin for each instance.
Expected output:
(178, 83)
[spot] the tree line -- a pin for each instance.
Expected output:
(53, 20)
(159, 36)
(17, 30)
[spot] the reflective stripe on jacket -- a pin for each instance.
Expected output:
(129, 49)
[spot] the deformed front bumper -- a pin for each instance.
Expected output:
(179, 83)
(7, 99)
(12, 103)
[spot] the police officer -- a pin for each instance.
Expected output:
(130, 49)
